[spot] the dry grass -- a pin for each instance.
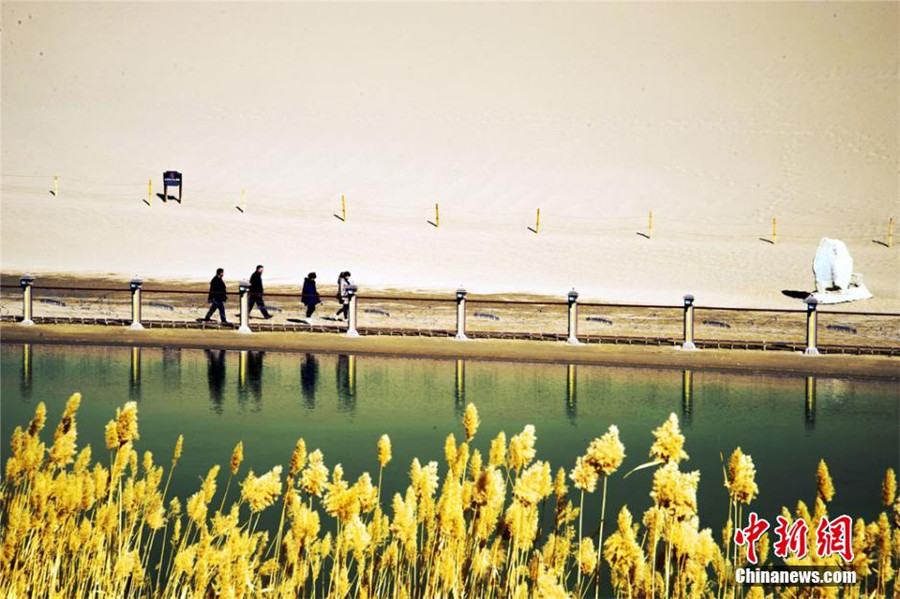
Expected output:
(77, 527)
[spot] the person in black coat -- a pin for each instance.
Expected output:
(310, 295)
(256, 292)
(217, 296)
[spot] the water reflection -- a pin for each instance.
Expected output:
(250, 371)
(687, 395)
(250, 365)
(459, 388)
(810, 402)
(413, 401)
(134, 376)
(215, 376)
(346, 383)
(171, 364)
(26, 372)
(309, 378)
(571, 392)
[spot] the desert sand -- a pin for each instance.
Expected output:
(716, 117)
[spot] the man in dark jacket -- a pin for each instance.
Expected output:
(217, 296)
(256, 292)
(310, 295)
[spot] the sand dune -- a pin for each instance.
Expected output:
(716, 117)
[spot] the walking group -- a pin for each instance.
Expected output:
(309, 296)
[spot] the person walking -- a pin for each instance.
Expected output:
(342, 295)
(310, 295)
(217, 296)
(256, 292)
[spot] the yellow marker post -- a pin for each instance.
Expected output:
(891, 232)
(56, 185)
(774, 230)
(150, 192)
(437, 215)
(343, 208)
(650, 226)
(537, 224)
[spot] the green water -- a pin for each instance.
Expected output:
(342, 404)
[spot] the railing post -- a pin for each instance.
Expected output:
(136, 304)
(812, 321)
(351, 317)
(573, 317)
(688, 323)
(461, 314)
(244, 295)
(26, 282)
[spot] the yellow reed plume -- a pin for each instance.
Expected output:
(521, 448)
(315, 475)
(179, 447)
(823, 478)
(471, 421)
(40, 419)
(126, 423)
(237, 456)
(298, 459)
(669, 444)
(75, 528)
(675, 491)
(888, 488)
(384, 450)
(587, 556)
(497, 455)
(583, 475)
(741, 477)
(261, 492)
(623, 553)
(606, 454)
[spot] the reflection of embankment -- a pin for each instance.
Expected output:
(251, 372)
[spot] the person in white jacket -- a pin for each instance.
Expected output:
(343, 297)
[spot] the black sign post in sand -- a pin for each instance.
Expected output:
(171, 179)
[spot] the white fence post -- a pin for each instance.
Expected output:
(244, 295)
(688, 323)
(812, 321)
(26, 282)
(573, 317)
(461, 314)
(351, 316)
(136, 304)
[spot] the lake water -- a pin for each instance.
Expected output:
(342, 404)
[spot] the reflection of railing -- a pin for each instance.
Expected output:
(687, 326)
(250, 380)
